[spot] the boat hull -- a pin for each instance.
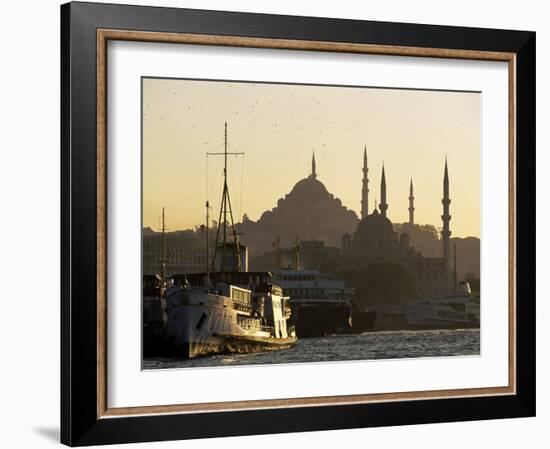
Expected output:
(201, 324)
(322, 320)
(153, 343)
(441, 326)
(425, 318)
(231, 345)
(362, 322)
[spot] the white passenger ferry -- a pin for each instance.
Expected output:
(227, 312)
(458, 310)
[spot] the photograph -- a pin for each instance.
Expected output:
(272, 224)
(299, 223)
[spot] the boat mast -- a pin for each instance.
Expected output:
(278, 253)
(162, 296)
(224, 191)
(225, 209)
(163, 261)
(297, 249)
(207, 240)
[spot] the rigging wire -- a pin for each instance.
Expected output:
(241, 192)
(206, 187)
(232, 179)
(215, 184)
(238, 150)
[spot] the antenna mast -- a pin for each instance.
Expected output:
(297, 249)
(162, 292)
(278, 253)
(225, 209)
(207, 229)
(163, 262)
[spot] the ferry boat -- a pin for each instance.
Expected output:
(225, 309)
(458, 310)
(153, 322)
(227, 312)
(154, 307)
(321, 303)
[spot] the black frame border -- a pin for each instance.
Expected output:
(80, 424)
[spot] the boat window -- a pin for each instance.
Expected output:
(459, 307)
(201, 321)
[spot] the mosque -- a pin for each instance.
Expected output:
(333, 236)
(375, 240)
(309, 211)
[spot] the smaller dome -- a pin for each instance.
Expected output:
(374, 224)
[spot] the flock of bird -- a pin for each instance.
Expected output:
(304, 115)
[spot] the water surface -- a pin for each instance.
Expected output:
(367, 346)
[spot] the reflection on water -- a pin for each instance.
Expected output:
(368, 346)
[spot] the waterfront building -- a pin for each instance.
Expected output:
(185, 251)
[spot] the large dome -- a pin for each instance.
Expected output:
(375, 224)
(308, 212)
(309, 189)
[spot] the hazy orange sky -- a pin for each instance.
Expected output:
(278, 126)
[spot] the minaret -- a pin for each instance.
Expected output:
(365, 191)
(411, 204)
(383, 203)
(446, 201)
(313, 169)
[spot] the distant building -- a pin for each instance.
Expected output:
(306, 255)
(185, 251)
(310, 229)
(375, 241)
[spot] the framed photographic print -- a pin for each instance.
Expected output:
(280, 224)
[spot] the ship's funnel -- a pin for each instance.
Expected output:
(464, 287)
(226, 260)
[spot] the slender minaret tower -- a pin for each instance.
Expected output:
(313, 168)
(446, 201)
(383, 203)
(365, 191)
(411, 204)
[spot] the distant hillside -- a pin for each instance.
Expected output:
(425, 238)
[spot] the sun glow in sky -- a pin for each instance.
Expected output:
(278, 126)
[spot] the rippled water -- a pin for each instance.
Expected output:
(367, 346)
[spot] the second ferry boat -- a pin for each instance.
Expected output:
(459, 310)
(321, 303)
